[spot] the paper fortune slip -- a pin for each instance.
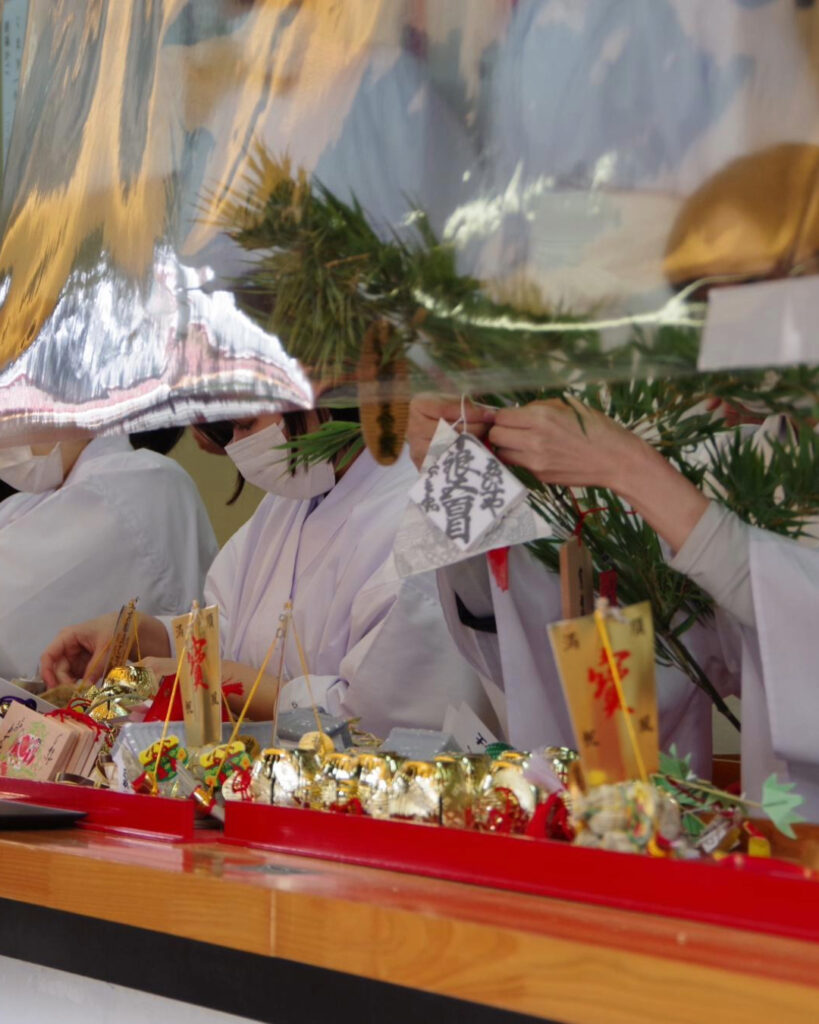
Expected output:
(607, 733)
(466, 491)
(426, 542)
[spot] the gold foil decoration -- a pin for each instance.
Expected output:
(293, 774)
(129, 93)
(561, 760)
(261, 776)
(317, 742)
(119, 693)
(457, 790)
(336, 783)
(416, 792)
(375, 775)
(604, 737)
(507, 799)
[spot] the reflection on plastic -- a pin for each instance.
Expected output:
(559, 145)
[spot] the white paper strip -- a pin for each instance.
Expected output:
(773, 323)
(420, 546)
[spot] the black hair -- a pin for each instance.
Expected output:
(161, 441)
(219, 433)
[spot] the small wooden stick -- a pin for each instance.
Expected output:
(100, 654)
(136, 636)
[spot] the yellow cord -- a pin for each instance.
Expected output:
(136, 636)
(230, 715)
(305, 673)
(618, 683)
(285, 619)
(254, 688)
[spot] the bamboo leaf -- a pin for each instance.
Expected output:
(780, 803)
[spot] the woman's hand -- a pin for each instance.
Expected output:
(67, 658)
(426, 410)
(160, 667)
(567, 443)
(77, 652)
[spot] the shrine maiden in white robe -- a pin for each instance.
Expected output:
(376, 646)
(504, 635)
(768, 644)
(124, 524)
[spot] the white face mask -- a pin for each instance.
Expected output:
(30, 473)
(261, 462)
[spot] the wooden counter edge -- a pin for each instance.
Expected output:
(503, 966)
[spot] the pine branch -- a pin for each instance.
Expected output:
(334, 441)
(323, 275)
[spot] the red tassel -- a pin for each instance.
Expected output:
(498, 560)
(159, 708)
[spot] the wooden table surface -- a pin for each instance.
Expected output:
(548, 958)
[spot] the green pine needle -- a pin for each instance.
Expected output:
(322, 276)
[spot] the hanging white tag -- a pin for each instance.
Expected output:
(466, 491)
(420, 546)
(467, 729)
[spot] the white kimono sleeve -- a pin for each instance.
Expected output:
(401, 667)
(785, 578)
(465, 593)
(715, 555)
(770, 585)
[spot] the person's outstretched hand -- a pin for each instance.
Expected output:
(427, 409)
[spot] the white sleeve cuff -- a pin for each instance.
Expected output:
(328, 693)
(716, 556)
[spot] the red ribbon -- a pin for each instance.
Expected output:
(551, 820)
(159, 708)
(498, 560)
(582, 514)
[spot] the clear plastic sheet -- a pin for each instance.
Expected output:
(590, 161)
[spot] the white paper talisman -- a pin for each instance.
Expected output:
(421, 545)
